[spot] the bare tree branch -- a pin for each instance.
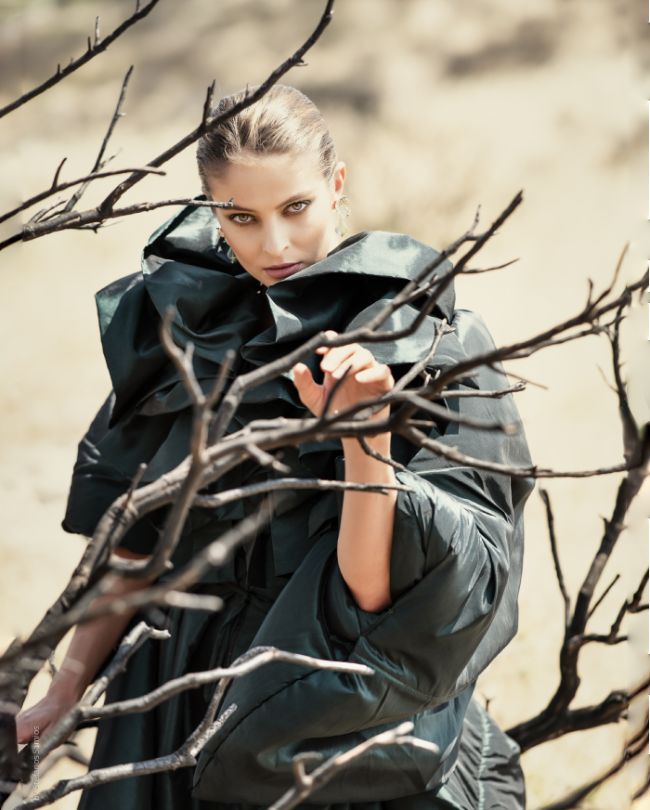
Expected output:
(307, 783)
(636, 745)
(557, 717)
(185, 756)
(93, 50)
(57, 187)
(100, 161)
(603, 596)
(550, 520)
(93, 218)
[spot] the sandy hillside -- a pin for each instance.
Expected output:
(436, 107)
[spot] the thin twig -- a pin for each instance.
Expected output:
(75, 64)
(550, 522)
(99, 160)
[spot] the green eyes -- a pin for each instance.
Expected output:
(290, 209)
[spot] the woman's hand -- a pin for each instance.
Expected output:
(366, 379)
(33, 722)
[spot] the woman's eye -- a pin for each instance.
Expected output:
(293, 208)
(234, 218)
(302, 203)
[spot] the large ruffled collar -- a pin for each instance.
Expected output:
(219, 307)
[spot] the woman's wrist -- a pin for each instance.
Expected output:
(353, 449)
(68, 684)
(380, 442)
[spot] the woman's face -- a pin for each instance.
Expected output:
(284, 212)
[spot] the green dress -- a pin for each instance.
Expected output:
(456, 555)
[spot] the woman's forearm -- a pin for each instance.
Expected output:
(92, 641)
(366, 530)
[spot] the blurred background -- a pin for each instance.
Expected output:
(437, 107)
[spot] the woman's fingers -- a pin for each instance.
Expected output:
(352, 365)
(353, 356)
(378, 373)
(336, 356)
(308, 390)
(37, 719)
(354, 361)
(336, 359)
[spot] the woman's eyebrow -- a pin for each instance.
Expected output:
(294, 198)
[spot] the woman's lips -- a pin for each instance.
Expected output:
(283, 271)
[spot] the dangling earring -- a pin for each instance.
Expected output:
(343, 209)
(231, 256)
(229, 251)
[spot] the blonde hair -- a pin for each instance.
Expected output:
(283, 121)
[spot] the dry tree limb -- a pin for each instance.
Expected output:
(419, 367)
(94, 218)
(67, 751)
(645, 787)
(129, 645)
(558, 717)
(57, 187)
(636, 745)
(469, 271)
(208, 121)
(100, 161)
(94, 48)
(212, 556)
(293, 484)
(307, 783)
(59, 733)
(380, 456)
(259, 657)
(550, 520)
(592, 311)
(603, 595)
(419, 438)
(448, 393)
(185, 755)
(632, 605)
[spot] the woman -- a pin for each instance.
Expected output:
(421, 585)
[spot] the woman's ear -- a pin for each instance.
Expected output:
(338, 176)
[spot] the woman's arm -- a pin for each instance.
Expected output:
(88, 648)
(366, 527)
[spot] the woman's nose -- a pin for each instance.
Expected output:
(274, 239)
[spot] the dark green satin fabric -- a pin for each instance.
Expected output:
(457, 548)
